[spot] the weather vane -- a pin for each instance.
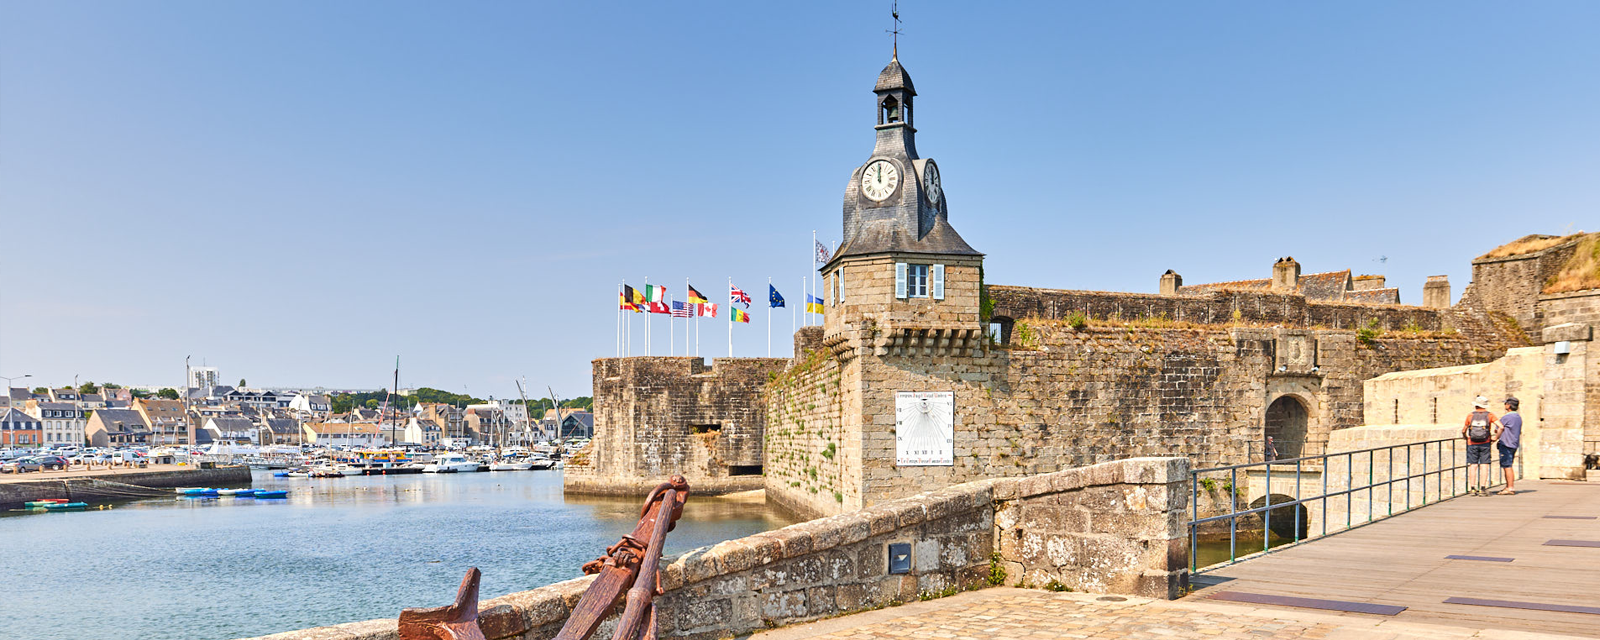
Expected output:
(894, 11)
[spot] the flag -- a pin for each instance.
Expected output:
(631, 299)
(813, 304)
(822, 253)
(655, 293)
(738, 295)
(658, 307)
(695, 297)
(635, 296)
(773, 299)
(735, 315)
(682, 309)
(622, 302)
(707, 310)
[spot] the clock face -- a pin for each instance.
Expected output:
(930, 183)
(879, 180)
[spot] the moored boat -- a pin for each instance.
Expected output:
(67, 506)
(44, 503)
(266, 494)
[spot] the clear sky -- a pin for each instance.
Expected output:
(296, 192)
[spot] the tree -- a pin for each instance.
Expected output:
(40, 391)
(88, 387)
(242, 384)
(137, 393)
(167, 394)
(372, 404)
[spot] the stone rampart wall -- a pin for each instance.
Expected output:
(1220, 307)
(659, 416)
(1113, 527)
(1512, 285)
(114, 486)
(1582, 307)
(1552, 390)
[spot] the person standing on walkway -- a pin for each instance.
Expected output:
(1478, 432)
(1507, 440)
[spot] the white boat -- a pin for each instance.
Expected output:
(450, 463)
(541, 463)
(511, 465)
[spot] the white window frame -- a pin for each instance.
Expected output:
(917, 287)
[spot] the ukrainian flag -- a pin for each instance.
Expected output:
(813, 304)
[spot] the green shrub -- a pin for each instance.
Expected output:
(1077, 320)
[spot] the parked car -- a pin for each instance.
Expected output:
(34, 464)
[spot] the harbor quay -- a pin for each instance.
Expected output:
(77, 485)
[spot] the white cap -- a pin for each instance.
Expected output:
(1481, 402)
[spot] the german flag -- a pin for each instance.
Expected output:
(695, 297)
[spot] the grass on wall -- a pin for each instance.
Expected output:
(1582, 271)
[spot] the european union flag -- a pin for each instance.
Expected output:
(774, 300)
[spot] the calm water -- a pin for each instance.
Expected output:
(338, 550)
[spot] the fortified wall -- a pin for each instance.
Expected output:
(659, 416)
(1071, 378)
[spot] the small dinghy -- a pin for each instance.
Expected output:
(263, 493)
(67, 506)
(44, 503)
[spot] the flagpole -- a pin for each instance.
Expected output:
(793, 329)
(619, 321)
(768, 316)
(648, 325)
(672, 326)
(694, 315)
(730, 316)
(813, 274)
(627, 325)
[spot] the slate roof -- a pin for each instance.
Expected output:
(1390, 295)
(231, 424)
(120, 420)
(894, 77)
(15, 416)
(280, 425)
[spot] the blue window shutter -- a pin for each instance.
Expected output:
(900, 280)
(838, 282)
(938, 282)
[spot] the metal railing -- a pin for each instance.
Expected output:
(1449, 475)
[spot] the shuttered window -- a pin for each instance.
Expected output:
(899, 279)
(938, 282)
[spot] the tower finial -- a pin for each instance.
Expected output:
(894, 11)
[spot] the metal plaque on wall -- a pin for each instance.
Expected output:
(924, 428)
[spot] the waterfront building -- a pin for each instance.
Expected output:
(231, 429)
(333, 434)
(18, 429)
(116, 428)
(64, 422)
(164, 419)
(272, 430)
(312, 404)
(567, 424)
(421, 431)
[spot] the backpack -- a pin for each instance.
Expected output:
(1478, 428)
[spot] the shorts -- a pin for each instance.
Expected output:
(1507, 454)
(1478, 453)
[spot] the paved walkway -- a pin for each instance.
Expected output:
(86, 472)
(1399, 561)
(1020, 614)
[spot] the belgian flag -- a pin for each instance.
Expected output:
(626, 299)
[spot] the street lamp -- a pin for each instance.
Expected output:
(9, 379)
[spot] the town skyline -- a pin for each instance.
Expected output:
(298, 193)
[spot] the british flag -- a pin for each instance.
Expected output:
(738, 295)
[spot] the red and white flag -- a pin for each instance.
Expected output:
(707, 310)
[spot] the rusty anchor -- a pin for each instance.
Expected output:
(631, 565)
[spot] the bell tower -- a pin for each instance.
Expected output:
(903, 281)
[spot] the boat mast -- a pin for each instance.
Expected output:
(556, 406)
(527, 412)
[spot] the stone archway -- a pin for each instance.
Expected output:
(1288, 423)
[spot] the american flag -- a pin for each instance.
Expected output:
(682, 310)
(738, 295)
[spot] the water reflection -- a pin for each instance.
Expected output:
(337, 550)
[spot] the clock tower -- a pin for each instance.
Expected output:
(902, 282)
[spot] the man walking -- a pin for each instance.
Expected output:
(1478, 432)
(1507, 440)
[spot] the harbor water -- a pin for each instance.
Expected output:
(337, 550)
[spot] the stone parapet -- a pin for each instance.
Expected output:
(1115, 527)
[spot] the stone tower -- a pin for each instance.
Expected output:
(903, 278)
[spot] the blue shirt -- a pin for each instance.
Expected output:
(1511, 431)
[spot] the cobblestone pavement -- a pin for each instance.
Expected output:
(1018, 614)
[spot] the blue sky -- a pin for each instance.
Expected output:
(296, 192)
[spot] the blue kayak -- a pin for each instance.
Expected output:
(67, 506)
(199, 492)
(263, 493)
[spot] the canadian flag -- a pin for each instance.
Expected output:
(708, 310)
